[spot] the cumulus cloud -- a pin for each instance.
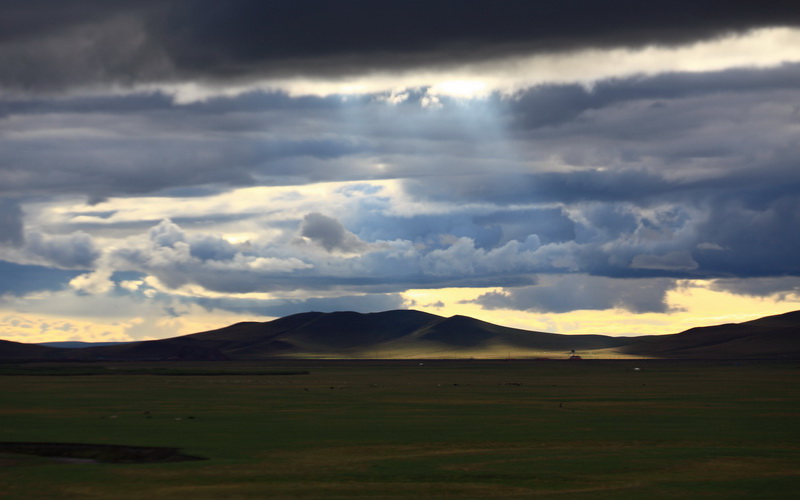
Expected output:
(93, 283)
(462, 258)
(167, 234)
(177, 258)
(330, 234)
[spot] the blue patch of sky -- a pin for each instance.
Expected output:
(18, 280)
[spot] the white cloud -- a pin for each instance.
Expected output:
(93, 283)
(131, 285)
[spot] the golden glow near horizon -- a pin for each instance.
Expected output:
(42, 327)
(694, 304)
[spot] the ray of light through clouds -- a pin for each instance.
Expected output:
(572, 166)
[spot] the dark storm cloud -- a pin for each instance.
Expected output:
(569, 293)
(205, 36)
(759, 287)
(27, 19)
(51, 45)
(762, 242)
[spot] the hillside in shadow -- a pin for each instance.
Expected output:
(415, 334)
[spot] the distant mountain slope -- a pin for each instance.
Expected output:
(771, 337)
(18, 350)
(415, 334)
(314, 334)
(389, 334)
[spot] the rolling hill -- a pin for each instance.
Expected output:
(390, 334)
(19, 351)
(415, 334)
(772, 337)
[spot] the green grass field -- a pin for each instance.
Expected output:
(457, 429)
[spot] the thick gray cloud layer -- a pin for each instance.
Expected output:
(659, 134)
(236, 37)
(54, 45)
(11, 226)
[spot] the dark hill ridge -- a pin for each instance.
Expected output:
(314, 334)
(466, 332)
(415, 334)
(773, 337)
(17, 350)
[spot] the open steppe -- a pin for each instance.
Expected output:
(409, 429)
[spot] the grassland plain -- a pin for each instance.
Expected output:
(412, 429)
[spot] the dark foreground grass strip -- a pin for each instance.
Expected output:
(102, 370)
(99, 453)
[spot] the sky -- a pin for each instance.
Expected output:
(570, 166)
